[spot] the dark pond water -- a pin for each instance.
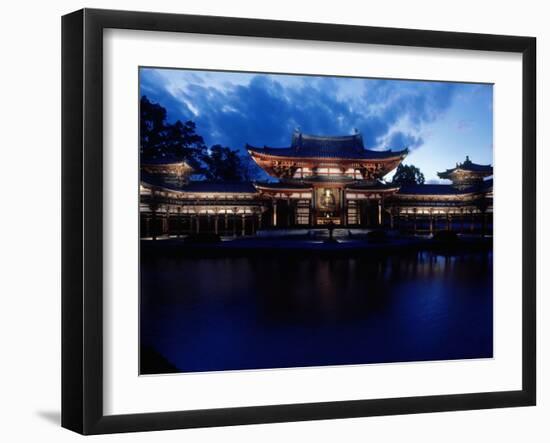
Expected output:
(211, 314)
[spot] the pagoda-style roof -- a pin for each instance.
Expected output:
(326, 147)
(467, 167)
(283, 186)
(372, 186)
(173, 168)
(220, 187)
(437, 189)
(168, 169)
(430, 190)
(199, 186)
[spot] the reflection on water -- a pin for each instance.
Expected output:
(243, 313)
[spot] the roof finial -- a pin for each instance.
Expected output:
(355, 131)
(298, 129)
(467, 159)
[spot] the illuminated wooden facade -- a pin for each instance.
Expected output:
(315, 181)
(429, 208)
(464, 206)
(231, 209)
(467, 174)
(327, 179)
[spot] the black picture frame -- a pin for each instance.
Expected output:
(82, 232)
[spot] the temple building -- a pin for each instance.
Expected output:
(315, 181)
(172, 204)
(467, 174)
(326, 179)
(465, 205)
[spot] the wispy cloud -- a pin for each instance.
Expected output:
(234, 109)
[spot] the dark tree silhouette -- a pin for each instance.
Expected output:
(223, 163)
(182, 140)
(152, 126)
(160, 138)
(408, 175)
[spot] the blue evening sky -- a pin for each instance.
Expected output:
(439, 122)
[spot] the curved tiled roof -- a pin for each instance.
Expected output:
(372, 186)
(282, 185)
(328, 178)
(327, 151)
(352, 142)
(230, 187)
(436, 189)
(200, 186)
(467, 165)
(430, 190)
(321, 146)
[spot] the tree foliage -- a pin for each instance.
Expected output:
(223, 163)
(152, 126)
(408, 175)
(158, 137)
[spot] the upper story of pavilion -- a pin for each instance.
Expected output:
(173, 170)
(314, 158)
(467, 174)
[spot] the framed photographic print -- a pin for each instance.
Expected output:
(269, 221)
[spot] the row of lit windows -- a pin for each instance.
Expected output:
(293, 195)
(220, 196)
(205, 211)
(307, 172)
(357, 196)
(426, 211)
(210, 196)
